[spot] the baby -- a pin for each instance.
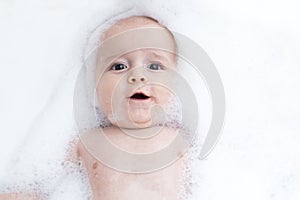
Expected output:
(129, 86)
(127, 159)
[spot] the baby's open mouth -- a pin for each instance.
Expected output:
(139, 96)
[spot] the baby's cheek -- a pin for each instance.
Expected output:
(104, 98)
(163, 95)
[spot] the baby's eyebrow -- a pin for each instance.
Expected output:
(158, 55)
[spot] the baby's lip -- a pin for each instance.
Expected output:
(139, 95)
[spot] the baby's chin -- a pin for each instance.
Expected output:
(137, 118)
(140, 117)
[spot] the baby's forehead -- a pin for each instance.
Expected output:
(134, 33)
(145, 43)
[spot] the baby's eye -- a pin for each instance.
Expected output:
(155, 66)
(118, 67)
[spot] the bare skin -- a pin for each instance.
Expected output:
(108, 183)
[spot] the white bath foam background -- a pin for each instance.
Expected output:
(255, 46)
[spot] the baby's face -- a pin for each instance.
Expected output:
(131, 84)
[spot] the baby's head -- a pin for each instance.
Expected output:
(135, 66)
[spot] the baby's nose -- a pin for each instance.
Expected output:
(137, 78)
